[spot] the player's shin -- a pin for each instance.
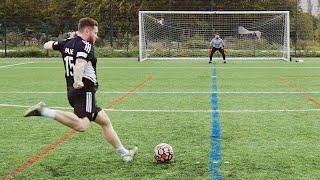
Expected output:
(47, 112)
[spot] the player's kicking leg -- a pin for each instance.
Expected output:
(67, 118)
(111, 136)
(73, 121)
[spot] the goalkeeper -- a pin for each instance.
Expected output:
(217, 44)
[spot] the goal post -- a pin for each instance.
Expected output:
(186, 34)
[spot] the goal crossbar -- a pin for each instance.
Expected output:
(215, 12)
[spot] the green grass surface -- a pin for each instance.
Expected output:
(273, 144)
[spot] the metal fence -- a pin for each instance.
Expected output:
(29, 34)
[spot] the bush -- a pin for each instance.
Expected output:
(14, 38)
(39, 52)
(25, 52)
(104, 52)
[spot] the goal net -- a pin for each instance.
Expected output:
(186, 34)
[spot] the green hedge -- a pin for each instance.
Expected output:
(104, 52)
(38, 52)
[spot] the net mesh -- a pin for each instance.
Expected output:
(187, 35)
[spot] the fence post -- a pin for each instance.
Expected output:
(296, 28)
(111, 23)
(5, 27)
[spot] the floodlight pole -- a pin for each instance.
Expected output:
(5, 27)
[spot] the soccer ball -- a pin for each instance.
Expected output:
(163, 153)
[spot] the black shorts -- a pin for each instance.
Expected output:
(83, 102)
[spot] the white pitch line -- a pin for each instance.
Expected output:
(159, 110)
(166, 92)
(266, 92)
(141, 67)
(269, 110)
(40, 92)
(10, 65)
(179, 67)
(273, 67)
(209, 111)
(183, 111)
(24, 106)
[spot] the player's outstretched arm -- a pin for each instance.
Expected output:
(48, 45)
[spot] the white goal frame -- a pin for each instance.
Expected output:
(284, 49)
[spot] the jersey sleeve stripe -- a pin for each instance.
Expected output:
(82, 54)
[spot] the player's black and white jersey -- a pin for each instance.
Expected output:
(75, 48)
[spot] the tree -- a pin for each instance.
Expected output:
(56, 17)
(60, 16)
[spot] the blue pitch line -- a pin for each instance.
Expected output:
(215, 156)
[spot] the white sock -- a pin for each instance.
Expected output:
(122, 151)
(46, 112)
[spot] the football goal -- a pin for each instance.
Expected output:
(186, 34)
